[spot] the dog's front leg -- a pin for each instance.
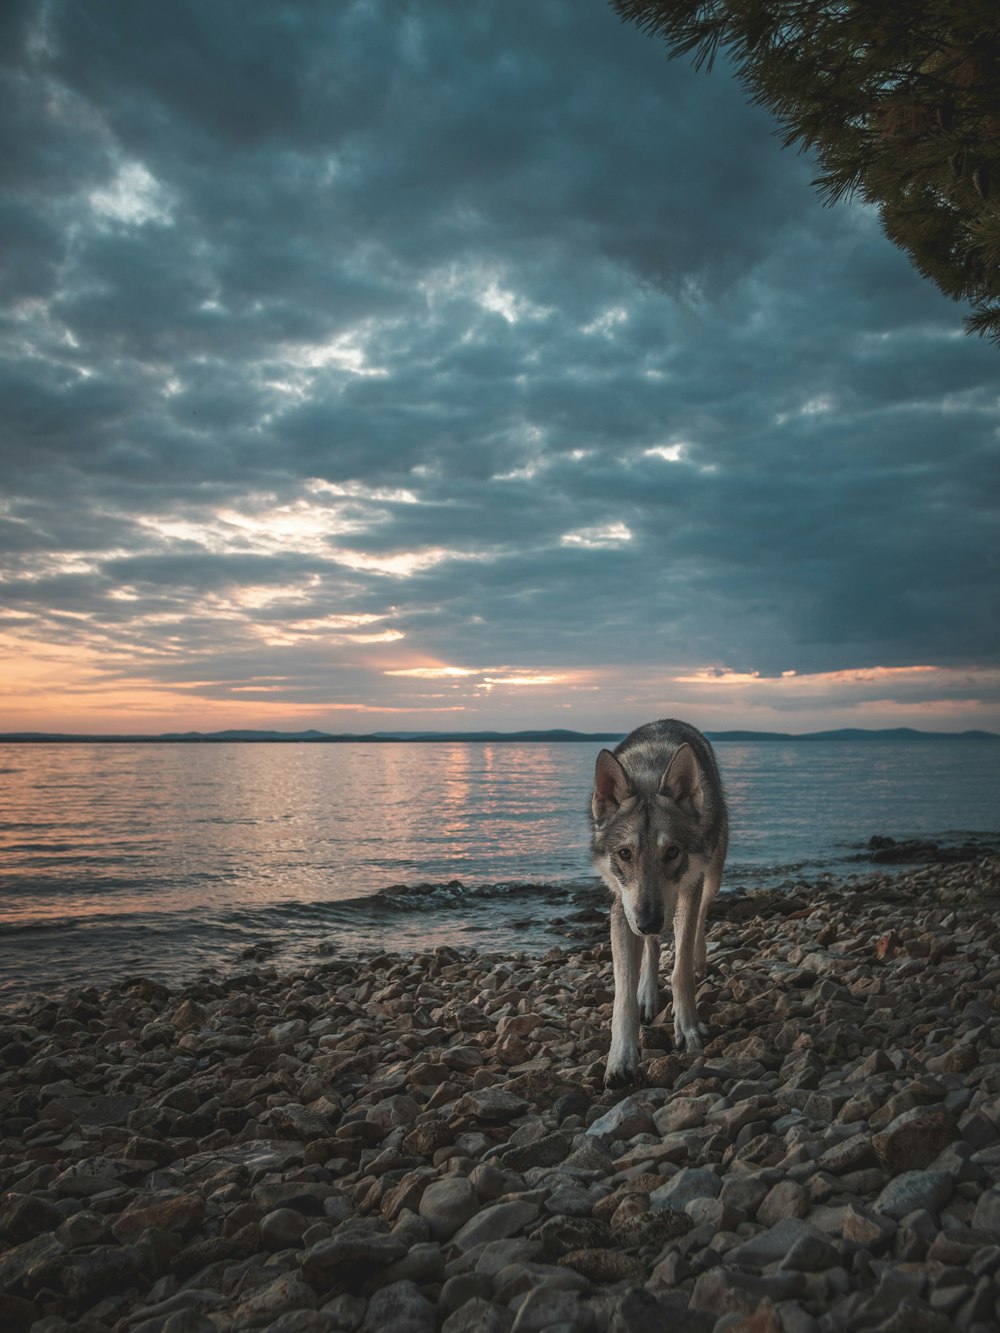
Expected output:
(689, 1034)
(623, 1057)
(649, 989)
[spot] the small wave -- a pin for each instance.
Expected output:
(18, 928)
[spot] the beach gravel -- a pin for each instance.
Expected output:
(423, 1141)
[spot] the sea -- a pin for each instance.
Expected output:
(180, 860)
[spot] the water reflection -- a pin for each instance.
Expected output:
(146, 847)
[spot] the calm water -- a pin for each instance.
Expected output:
(173, 859)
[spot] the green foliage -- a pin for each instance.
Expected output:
(900, 99)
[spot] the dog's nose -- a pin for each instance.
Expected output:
(649, 925)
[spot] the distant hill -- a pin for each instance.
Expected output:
(557, 734)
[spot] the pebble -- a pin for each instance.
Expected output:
(425, 1142)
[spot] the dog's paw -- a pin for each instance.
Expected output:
(622, 1068)
(690, 1036)
(648, 1009)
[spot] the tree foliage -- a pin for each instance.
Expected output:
(900, 99)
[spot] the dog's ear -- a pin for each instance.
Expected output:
(611, 786)
(682, 781)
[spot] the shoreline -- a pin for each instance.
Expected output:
(424, 1139)
(56, 956)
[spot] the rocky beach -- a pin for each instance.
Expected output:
(414, 1142)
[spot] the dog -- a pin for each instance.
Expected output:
(660, 839)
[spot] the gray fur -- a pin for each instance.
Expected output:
(660, 839)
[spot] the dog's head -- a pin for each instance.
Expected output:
(645, 841)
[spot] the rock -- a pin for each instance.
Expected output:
(721, 1291)
(690, 1182)
(653, 1228)
(26, 1215)
(785, 1199)
(912, 1190)
(987, 1214)
(773, 1245)
(865, 1227)
(854, 1154)
(546, 1151)
(17, 1264)
(604, 1265)
(477, 1316)
(550, 1308)
(496, 1222)
(913, 1139)
(351, 1251)
(284, 1293)
(626, 1119)
(16, 1314)
(447, 1204)
(282, 1229)
(560, 1234)
(182, 1213)
(491, 1104)
(299, 1321)
(399, 1305)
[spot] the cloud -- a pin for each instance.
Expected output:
(345, 341)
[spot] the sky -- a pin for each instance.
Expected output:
(377, 366)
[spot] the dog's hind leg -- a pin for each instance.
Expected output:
(688, 1032)
(623, 1057)
(649, 989)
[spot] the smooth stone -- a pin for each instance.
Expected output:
(913, 1190)
(497, 1222)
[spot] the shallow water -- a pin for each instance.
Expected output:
(169, 859)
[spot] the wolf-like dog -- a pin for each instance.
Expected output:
(660, 840)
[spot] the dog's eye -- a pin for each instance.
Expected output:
(624, 853)
(672, 853)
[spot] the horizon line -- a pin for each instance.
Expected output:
(237, 735)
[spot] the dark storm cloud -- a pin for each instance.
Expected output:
(484, 327)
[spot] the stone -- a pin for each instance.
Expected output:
(604, 1265)
(690, 1182)
(550, 1307)
(865, 1227)
(722, 1291)
(399, 1305)
(546, 1151)
(771, 1246)
(283, 1228)
(627, 1118)
(785, 1199)
(913, 1139)
(478, 1315)
(492, 1105)
(298, 1321)
(987, 1214)
(446, 1204)
(182, 1213)
(27, 1215)
(852, 1154)
(284, 1293)
(496, 1222)
(913, 1190)
(350, 1251)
